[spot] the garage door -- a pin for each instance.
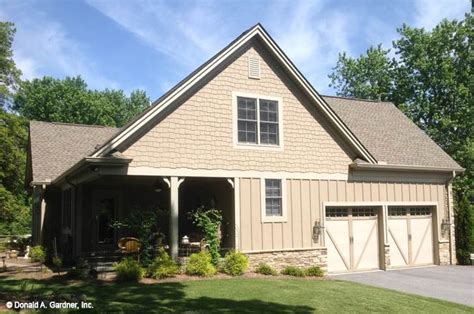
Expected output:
(410, 235)
(352, 239)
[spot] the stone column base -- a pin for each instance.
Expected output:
(444, 253)
(280, 259)
(386, 256)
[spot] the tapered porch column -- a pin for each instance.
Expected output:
(174, 184)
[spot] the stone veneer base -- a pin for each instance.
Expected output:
(280, 259)
(444, 253)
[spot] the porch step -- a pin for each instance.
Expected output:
(102, 261)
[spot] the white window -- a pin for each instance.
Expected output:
(273, 200)
(258, 121)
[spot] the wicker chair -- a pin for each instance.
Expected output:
(129, 246)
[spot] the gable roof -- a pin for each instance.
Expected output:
(194, 78)
(56, 147)
(378, 131)
(389, 135)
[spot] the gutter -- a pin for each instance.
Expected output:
(404, 168)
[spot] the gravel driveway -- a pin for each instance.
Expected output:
(451, 283)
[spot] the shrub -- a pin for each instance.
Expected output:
(314, 271)
(463, 225)
(77, 273)
(293, 271)
(37, 254)
(209, 221)
(163, 266)
(58, 263)
(235, 263)
(266, 269)
(200, 264)
(128, 270)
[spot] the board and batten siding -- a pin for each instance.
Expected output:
(305, 199)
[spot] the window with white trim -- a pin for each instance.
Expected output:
(258, 121)
(273, 198)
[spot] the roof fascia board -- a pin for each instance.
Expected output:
(257, 30)
(87, 161)
(404, 168)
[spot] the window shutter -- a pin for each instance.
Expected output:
(254, 68)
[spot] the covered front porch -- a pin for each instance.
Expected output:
(91, 211)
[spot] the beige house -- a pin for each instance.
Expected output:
(300, 178)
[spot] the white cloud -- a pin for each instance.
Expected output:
(187, 35)
(312, 36)
(429, 13)
(42, 47)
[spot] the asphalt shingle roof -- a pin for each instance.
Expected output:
(388, 134)
(55, 147)
(383, 129)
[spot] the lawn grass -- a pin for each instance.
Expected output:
(239, 295)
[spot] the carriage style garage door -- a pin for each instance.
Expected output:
(410, 236)
(352, 238)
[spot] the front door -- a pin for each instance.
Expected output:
(105, 209)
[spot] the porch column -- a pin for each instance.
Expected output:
(174, 184)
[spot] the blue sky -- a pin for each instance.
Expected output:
(152, 45)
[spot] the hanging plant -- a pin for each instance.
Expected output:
(209, 221)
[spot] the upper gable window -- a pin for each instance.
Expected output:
(258, 121)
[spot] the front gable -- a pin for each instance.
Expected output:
(200, 131)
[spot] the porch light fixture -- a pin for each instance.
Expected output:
(317, 230)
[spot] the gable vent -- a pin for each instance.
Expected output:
(254, 68)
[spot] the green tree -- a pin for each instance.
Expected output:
(430, 79)
(368, 77)
(9, 74)
(14, 211)
(69, 100)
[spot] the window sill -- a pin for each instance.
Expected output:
(259, 146)
(269, 219)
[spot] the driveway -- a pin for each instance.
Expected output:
(450, 283)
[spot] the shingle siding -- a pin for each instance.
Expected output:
(198, 134)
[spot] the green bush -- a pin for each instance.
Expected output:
(463, 225)
(163, 266)
(293, 271)
(200, 264)
(77, 273)
(209, 221)
(235, 263)
(58, 263)
(128, 270)
(266, 269)
(314, 271)
(37, 254)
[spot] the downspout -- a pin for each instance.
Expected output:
(450, 208)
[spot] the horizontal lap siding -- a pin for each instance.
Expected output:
(305, 200)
